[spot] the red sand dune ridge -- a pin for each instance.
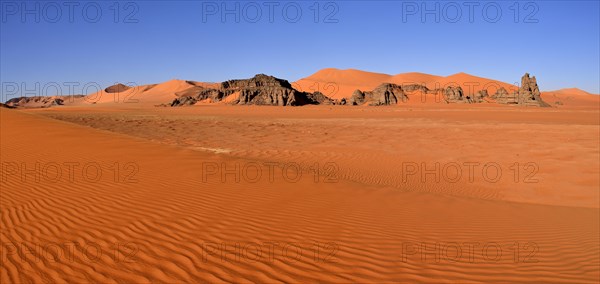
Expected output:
(349, 80)
(148, 94)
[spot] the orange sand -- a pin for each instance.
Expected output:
(158, 220)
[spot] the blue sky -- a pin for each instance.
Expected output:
(155, 41)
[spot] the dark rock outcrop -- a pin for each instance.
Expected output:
(184, 101)
(320, 98)
(275, 96)
(384, 94)
(454, 94)
(357, 98)
(503, 97)
(118, 88)
(40, 101)
(387, 94)
(258, 81)
(479, 97)
(212, 95)
(529, 93)
(259, 90)
(409, 88)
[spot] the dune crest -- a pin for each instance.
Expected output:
(145, 95)
(347, 81)
(572, 97)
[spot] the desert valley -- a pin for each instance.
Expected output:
(344, 176)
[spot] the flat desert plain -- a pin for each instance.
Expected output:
(216, 193)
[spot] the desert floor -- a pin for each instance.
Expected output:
(300, 194)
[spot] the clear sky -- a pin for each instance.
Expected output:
(154, 41)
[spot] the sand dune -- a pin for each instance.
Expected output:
(346, 81)
(338, 84)
(348, 76)
(469, 83)
(147, 95)
(472, 84)
(572, 97)
(414, 78)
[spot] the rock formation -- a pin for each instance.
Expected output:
(118, 88)
(357, 98)
(321, 99)
(503, 97)
(409, 88)
(387, 94)
(184, 101)
(479, 97)
(454, 94)
(40, 101)
(384, 94)
(529, 93)
(259, 90)
(258, 81)
(277, 96)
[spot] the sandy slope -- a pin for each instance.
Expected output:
(336, 83)
(341, 83)
(147, 95)
(166, 220)
(572, 98)
(472, 84)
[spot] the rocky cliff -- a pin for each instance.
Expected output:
(41, 101)
(259, 90)
(384, 94)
